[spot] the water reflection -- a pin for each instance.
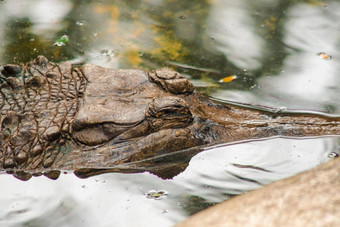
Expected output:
(122, 199)
(290, 72)
(249, 166)
(272, 47)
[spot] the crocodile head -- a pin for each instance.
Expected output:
(123, 105)
(129, 116)
(94, 119)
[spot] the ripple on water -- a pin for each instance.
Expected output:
(232, 170)
(131, 199)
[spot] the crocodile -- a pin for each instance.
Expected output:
(91, 120)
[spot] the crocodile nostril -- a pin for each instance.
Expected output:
(171, 81)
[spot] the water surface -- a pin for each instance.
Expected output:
(273, 47)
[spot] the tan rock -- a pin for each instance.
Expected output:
(311, 198)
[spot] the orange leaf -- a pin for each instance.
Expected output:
(228, 79)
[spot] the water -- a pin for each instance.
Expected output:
(124, 199)
(273, 47)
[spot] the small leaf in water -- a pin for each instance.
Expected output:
(324, 56)
(153, 194)
(228, 79)
(62, 41)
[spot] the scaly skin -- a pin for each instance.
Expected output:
(93, 120)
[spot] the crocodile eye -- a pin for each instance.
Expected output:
(170, 112)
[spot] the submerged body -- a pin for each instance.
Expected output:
(93, 119)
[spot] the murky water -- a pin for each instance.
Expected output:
(273, 47)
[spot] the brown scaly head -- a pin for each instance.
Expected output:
(93, 120)
(56, 117)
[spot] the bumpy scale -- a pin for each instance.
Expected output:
(38, 102)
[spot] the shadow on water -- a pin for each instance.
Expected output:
(273, 47)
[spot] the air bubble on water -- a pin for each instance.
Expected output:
(252, 87)
(207, 186)
(81, 23)
(109, 53)
(157, 195)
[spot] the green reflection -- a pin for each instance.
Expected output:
(20, 43)
(148, 35)
(151, 34)
(193, 204)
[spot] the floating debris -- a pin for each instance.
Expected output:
(62, 41)
(324, 56)
(332, 155)
(228, 79)
(157, 195)
(109, 53)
